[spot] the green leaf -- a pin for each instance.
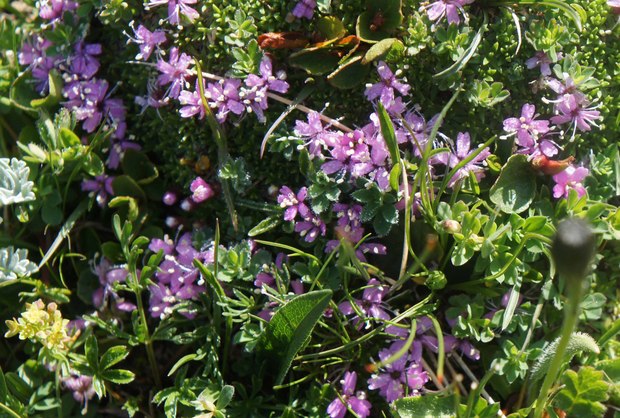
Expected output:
(126, 186)
(330, 27)
(137, 165)
(380, 49)
(349, 75)
(113, 356)
(468, 53)
(515, 188)
(265, 225)
(225, 396)
(290, 328)
(3, 389)
(428, 406)
(381, 18)
(91, 350)
(579, 341)
(583, 393)
(118, 376)
(316, 61)
(55, 92)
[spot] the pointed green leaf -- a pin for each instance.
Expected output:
(291, 327)
(91, 350)
(265, 225)
(387, 131)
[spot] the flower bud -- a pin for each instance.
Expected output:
(451, 226)
(573, 248)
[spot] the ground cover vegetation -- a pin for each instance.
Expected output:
(310, 208)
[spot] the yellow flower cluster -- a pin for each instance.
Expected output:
(43, 324)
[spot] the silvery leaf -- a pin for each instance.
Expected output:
(14, 184)
(15, 263)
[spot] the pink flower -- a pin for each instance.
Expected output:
(572, 110)
(201, 190)
(570, 179)
(527, 128)
(542, 60)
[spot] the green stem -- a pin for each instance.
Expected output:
(9, 411)
(574, 287)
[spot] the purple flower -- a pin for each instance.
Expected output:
(349, 227)
(310, 227)
(109, 275)
(350, 153)
(54, 9)
(101, 186)
(85, 99)
(82, 388)
(254, 93)
(396, 376)
(421, 130)
(83, 63)
(527, 128)
(384, 89)
(317, 136)
(570, 179)
(356, 401)
(572, 110)
(147, 41)
(463, 145)
(304, 8)
(201, 190)
(177, 8)
(173, 72)
(117, 150)
(542, 60)
(223, 96)
(34, 54)
(292, 203)
(369, 305)
(449, 8)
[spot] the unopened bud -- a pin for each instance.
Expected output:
(451, 226)
(573, 248)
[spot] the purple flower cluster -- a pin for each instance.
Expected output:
(178, 280)
(304, 8)
(224, 96)
(88, 97)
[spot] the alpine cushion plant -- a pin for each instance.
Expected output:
(309, 208)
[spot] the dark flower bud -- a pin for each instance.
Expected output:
(573, 248)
